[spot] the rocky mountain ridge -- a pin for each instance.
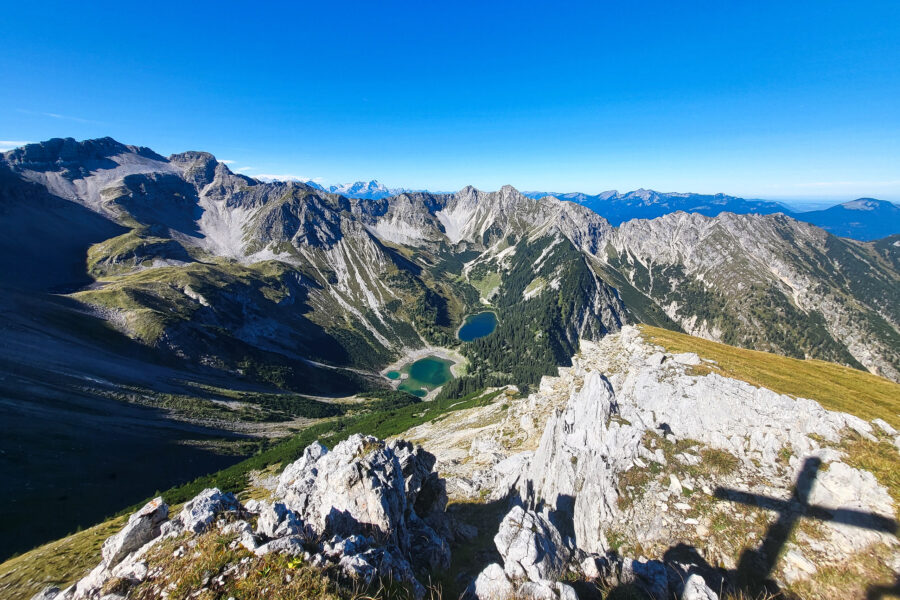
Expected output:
(864, 219)
(400, 271)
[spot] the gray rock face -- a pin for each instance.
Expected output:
(695, 588)
(382, 503)
(493, 584)
(358, 487)
(48, 593)
(354, 544)
(275, 521)
(199, 513)
(537, 590)
(576, 465)
(530, 545)
(291, 545)
(142, 527)
(382, 562)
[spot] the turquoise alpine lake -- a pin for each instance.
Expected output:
(425, 375)
(478, 326)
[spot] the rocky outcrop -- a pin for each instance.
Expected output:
(575, 466)
(531, 546)
(124, 553)
(369, 509)
(142, 526)
(628, 445)
(199, 513)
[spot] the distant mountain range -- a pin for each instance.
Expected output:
(864, 219)
(649, 204)
(363, 190)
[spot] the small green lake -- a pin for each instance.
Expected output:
(425, 375)
(478, 326)
(393, 374)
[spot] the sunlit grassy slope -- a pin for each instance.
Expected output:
(58, 563)
(835, 387)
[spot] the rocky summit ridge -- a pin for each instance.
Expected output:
(629, 470)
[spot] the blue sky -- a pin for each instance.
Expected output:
(761, 99)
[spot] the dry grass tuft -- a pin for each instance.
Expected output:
(879, 458)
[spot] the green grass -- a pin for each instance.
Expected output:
(834, 386)
(486, 285)
(879, 458)
(58, 563)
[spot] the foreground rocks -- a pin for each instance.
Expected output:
(367, 509)
(628, 470)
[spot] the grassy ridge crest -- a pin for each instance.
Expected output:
(833, 386)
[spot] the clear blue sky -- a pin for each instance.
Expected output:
(761, 99)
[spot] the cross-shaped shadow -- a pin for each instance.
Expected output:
(756, 566)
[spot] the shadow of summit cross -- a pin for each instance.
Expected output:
(755, 567)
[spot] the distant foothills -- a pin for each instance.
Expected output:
(863, 219)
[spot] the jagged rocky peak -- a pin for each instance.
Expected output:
(299, 215)
(199, 168)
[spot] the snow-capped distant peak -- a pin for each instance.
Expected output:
(372, 190)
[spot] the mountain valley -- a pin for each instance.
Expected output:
(179, 313)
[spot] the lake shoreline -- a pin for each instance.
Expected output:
(467, 321)
(457, 369)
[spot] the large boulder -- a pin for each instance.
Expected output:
(531, 546)
(142, 527)
(426, 491)
(200, 512)
(377, 501)
(299, 475)
(695, 588)
(382, 563)
(382, 505)
(357, 488)
(575, 468)
(276, 521)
